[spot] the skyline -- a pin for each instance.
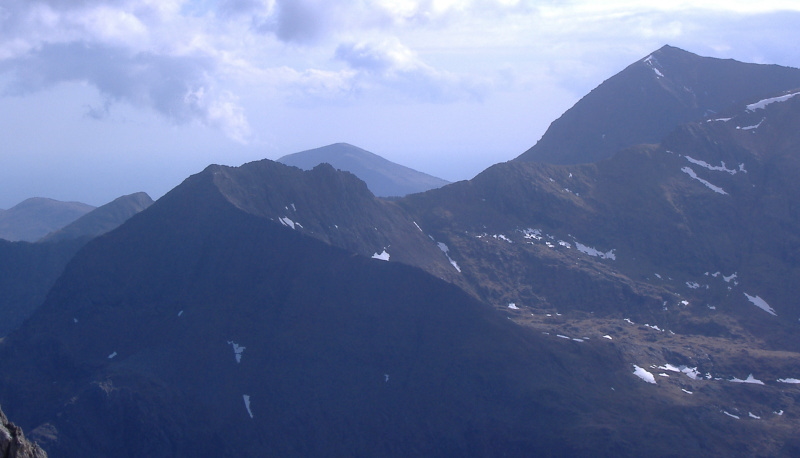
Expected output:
(101, 99)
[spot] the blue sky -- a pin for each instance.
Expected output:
(102, 98)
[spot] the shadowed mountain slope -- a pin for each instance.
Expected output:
(229, 334)
(651, 97)
(383, 177)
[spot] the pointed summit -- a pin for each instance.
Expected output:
(649, 98)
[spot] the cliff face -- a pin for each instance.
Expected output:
(13, 443)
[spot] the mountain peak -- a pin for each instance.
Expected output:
(683, 86)
(383, 177)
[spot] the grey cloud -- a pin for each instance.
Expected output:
(141, 79)
(299, 21)
(178, 87)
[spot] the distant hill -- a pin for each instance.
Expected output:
(28, 270)
(102, 219)
(383, 177)
(34, 218)
(651, 97)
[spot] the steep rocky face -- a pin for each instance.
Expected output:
(695, 219)
(650, 98)
(383, 177)
(13, 443)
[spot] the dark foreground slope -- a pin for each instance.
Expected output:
(200, 329)
(383, 177)
(651, 97)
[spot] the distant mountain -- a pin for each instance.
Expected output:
(102, 219)
(651, 97)
(34, 218)
(383, 177)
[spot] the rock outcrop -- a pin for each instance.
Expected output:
(13, 443)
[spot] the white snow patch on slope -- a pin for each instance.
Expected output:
(749, 379)
(761, 303)
(112, 355)
(763, 103)
(237, 350)
(755, 126)
(690, 172)
(643, 374)
(591, 251)
(383, 256)
(513, 306)
(789, 380)
(730, 415)
(415, 224)
(287, 222)
(446, 252)
(247, 404)
(716, 168)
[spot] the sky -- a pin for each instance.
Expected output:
(101, 98)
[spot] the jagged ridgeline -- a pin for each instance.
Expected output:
(644, 301)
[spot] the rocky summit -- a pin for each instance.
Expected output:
(644, 301)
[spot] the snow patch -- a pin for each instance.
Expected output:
(691, 173)
(287, 222)
(446, 252)
(643, 374)
(415, 224)
(513, 306)
(607, 337)
(751, 415)
(749, 379)
(383, 256)
(730, 415)
(180, 313)
(595, 252)
(686, 391)
(756, 126)
(763, 103)
(717, 168)
(247, 404)
(112, 355)
(237, 350)
(789, 380)
(761, 303)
